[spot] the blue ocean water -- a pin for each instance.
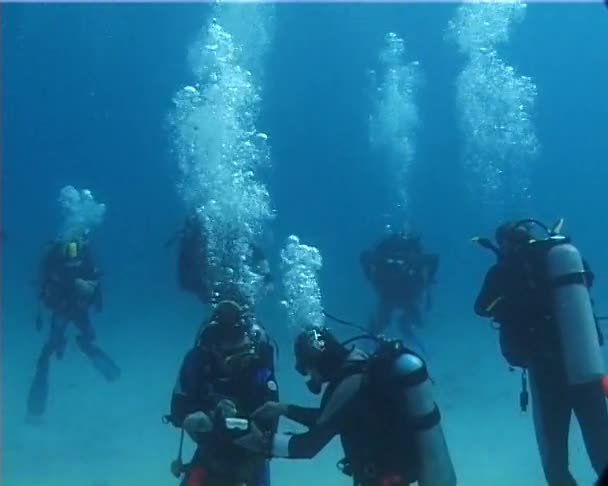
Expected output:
(86, 90)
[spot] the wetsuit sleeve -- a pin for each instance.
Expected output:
(333, 414)
(192, 391)
(490, 296)
(91, 272)
(303, 415)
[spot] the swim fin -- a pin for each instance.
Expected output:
(39, 391)
(104, 364)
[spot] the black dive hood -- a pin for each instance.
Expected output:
(523, 224)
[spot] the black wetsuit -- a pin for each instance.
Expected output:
(201, 385)
(400, 273)
(193, 272)
(529, 339)
(377, 452)
(59, 293)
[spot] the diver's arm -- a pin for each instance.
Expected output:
(192, 392)
(302, 446)
(46, 270)
(489, 295)
(303, 415)
(309, 444)
(182, 398)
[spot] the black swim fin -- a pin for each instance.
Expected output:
(38, 394)
(104, 364)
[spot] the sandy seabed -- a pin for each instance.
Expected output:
(100, 434)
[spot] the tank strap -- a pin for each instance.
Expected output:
(413, 379)
(427, 421)
(569, 279)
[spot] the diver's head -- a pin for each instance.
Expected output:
(231, 322)
(229, 335)
(511, 237)
(319, 355)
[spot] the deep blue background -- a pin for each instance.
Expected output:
(86, 90)
(85, 94)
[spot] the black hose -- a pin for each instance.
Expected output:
(345, 323)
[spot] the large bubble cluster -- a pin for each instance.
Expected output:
(495, 105)
(80, 212)
(484, 24)
(220, 154)
(394, 121)
(300, 265)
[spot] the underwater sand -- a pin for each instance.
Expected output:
(99, 434)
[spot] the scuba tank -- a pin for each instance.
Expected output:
(402, 377)
(573, 311)
(412, 390)
(563, 273)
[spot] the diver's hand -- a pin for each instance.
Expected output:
(254, 441)
(225, 408)
(195, 424)
(86, 288)
(270, 411)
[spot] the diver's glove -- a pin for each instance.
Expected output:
(225, 408)
(256, 441)
(197, 423)
(85, 288)
(269, 412)
(226, 425)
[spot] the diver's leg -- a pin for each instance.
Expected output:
(551, 413)
(102, 362)
(39, 388)
(590, 408)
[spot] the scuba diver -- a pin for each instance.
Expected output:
(402, 276)
(381, 406)
(538, 294)
(68, 285)
(193, 271)
(227, 375)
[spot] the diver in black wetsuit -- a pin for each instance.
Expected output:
(226, 376)
(193, 271)
(381, 406)
(521, 296)
(69, 284)
(402, 275)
